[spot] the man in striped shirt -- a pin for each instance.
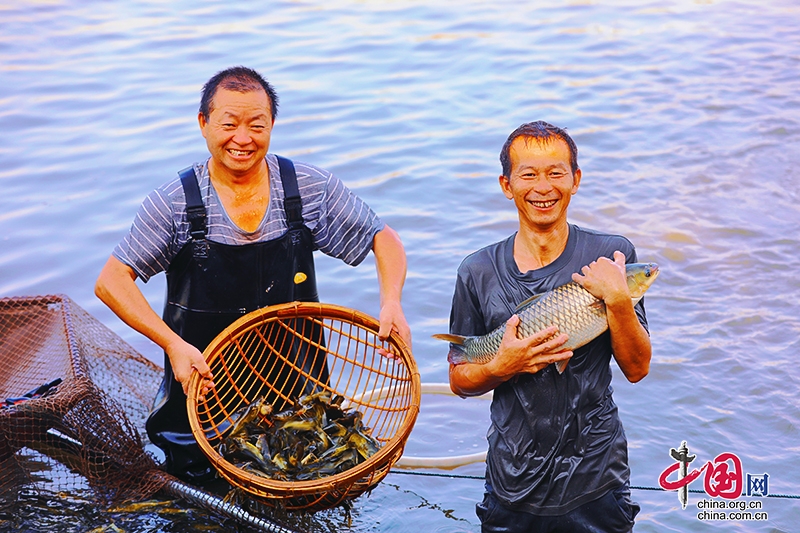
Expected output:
(233, 234)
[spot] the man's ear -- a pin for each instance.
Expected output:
(576, 179)
(201, 120)
(505, 185)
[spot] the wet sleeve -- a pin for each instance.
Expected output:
(466, 317)
(146, 247)
(346, 225)
(641, 315)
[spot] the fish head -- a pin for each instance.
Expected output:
(640, 277)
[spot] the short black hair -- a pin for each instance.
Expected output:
(541, 131)
(239, 79)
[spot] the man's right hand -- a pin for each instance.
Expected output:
(515, 356)
(529, 355)
(185, 359)
(116, 287)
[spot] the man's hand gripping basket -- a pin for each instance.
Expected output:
(284, 351)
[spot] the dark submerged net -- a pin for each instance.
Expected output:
(61, 434)
(73, 436)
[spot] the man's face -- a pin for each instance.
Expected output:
(541, 182)
(238, 130)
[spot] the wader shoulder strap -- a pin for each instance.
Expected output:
(195, 211)
(291, 193)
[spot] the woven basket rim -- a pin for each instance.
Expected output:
(271, 488)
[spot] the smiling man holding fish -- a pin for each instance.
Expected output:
(557, 458)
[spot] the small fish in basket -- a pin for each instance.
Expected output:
(315, 438)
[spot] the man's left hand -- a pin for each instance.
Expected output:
(605, 279)
(393, 319)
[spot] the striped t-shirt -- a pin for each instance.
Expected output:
(342, 225)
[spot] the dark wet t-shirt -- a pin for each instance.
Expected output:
(555, 440)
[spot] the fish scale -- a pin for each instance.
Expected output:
(570, 307)
(577, 313)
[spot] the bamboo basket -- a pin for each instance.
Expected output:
(268, 346)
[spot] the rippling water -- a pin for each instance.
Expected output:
(686, 115)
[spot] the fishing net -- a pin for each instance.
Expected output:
(266, 354)
(59, 432)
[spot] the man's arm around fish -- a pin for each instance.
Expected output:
(515, 356)
(630, 343)
(605, 280)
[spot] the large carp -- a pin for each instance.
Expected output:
(570, 307)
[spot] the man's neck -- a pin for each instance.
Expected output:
(245, 197)
(223, 176)
(536, 249)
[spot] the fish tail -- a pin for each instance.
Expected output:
(457, 355)
(453, 339)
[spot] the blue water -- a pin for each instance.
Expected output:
(686, 115)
